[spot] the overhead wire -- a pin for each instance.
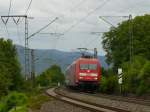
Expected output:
(10, 5)
(18, 34)
(29, 6)
(79, 4)
(57, 39)
(16, 22)
(88, 14)
(7, 31)
(9, 9)
(26, 11)
(85, 17)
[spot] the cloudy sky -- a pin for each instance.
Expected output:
(77, 19)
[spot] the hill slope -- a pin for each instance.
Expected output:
(46, 58)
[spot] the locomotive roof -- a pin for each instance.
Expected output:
(83, 59)
(94, 59)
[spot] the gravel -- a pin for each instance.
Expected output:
(59, 106)
(109, 102)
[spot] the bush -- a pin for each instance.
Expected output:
(36, 101)
(16, 99)
(136, 77)
(103, 84)
(109, 84)
(19, 109)
(3, 107)
(144, 76)
(52, 76)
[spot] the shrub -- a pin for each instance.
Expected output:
(109, 84)
(16, 99)
(144, 76)
(136, 77)
(3, 107)
(19, 109)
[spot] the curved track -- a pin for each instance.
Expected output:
(113, 97)
(89, 106)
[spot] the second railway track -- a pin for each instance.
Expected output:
(113, 97)
(87, 105)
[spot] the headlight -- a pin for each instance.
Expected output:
(82, 74)
(94, 74)
(95, 78)
(80, 77)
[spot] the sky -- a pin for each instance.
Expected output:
(77, 20)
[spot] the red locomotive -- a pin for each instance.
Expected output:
(84, 72)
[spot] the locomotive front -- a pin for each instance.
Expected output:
(89, 72)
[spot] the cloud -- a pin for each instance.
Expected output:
(71, 14)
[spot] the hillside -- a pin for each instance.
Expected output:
(46, 58)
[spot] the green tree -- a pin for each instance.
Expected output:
(5, 82)
(16, 99)
(10, 71)
(144, 79)
(109, 84)
(116, 42)
(52, 75)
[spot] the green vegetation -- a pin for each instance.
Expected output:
(10, 71)
(19, 109)
(116, 42)
(16, 93)
(52, 76)
(16, 99)
(13, 101)
(137, 76)
(36, 101)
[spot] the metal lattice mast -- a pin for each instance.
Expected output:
(27, 52)
(32, 64)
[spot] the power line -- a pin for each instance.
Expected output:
(5, 21)
(107, 22)
(28, 7)
(42, 28)
(77, 5)
(10, 4)
(88, 14)
(18, 35)
(7, 31)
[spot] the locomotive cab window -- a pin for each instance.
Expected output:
(88, 66)
(83, 66)
(92, 66)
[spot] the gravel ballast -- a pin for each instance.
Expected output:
(59, 106)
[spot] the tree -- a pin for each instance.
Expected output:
(52, 75)
(116, 42)
(10, 71)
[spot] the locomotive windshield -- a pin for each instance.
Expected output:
(88, 66)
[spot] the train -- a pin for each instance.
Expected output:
(84, 72)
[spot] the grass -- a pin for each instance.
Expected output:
(19, 109)
(35, 102)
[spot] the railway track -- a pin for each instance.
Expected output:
(87, 105)
(113, 97)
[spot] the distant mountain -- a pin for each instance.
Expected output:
(46, 58)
